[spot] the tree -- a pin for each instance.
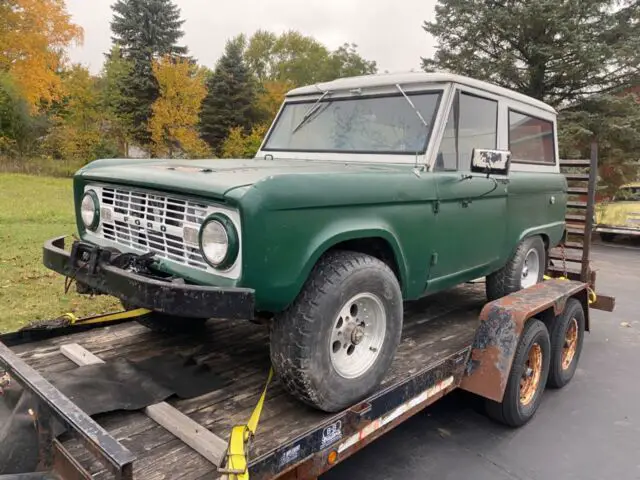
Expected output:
(346, 62)
(145, 30)
(241, 145)
(613, 121)
(33, 37)
(230, 96)
(301, 59)
(576, 55)
(556, 51)
(78, 124)
(113, 90)
(270, 97)
(173, 124)
(16, 125)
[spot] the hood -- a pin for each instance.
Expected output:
(210, 178)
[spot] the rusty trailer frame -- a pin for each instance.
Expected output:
(480, 366)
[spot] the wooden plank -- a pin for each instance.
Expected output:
(576, 204)
(572, 268)
(575, 230)
(604, 302)
(206, 443)
(577, 190)
(577, 176)
(572, 217)
(570, 255)
(575, 163)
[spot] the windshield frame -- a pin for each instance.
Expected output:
(338, 96)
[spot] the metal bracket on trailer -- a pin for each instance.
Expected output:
(52, 404)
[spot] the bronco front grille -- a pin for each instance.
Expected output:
(153, 222)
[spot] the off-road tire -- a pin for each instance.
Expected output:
(508, 279)
(510, 411)
(558, 376)
(163, 323)
(607, 236)
(300, 336)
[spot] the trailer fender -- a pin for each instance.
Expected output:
(501, 324)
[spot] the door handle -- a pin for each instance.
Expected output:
(465, 203)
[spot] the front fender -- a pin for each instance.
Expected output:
(335, 234)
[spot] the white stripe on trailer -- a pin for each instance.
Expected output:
(389, 417)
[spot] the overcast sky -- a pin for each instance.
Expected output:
(387, 31)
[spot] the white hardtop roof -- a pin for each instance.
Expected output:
(403, 79)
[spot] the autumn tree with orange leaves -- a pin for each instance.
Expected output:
(33, 37)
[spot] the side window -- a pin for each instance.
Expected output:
(472, 123)
(478, 126)
(531, 139)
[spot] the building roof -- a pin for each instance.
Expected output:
(385, 79)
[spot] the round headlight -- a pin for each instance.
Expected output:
(89, 210)
(219, 241)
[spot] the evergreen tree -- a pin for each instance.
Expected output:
(580, 56)
(555, 50)
(230, 97)
(145, 30)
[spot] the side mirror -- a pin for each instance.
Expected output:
(490, 161)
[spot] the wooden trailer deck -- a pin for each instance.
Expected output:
(435, 328)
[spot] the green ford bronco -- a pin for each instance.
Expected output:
(366, 192)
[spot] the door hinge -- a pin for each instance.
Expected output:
(434, 258)
(436, 206)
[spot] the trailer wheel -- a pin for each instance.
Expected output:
(607, 236)
(527, 378)
(335, 343)
(524, 269)
(567, 335)
(163, 323)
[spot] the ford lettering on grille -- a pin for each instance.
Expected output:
(152, 222)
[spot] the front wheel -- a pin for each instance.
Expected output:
(524, 269)
(607, 236)
(335, 343)
(527, 378)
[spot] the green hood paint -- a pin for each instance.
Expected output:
(216, 178)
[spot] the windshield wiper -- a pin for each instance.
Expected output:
(424, 122)
(311, 111)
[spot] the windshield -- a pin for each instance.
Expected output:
(628, 194)
(383, 124)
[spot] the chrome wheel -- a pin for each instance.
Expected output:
(530, 269)
(357, 335)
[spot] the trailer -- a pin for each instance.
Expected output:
(506, 351)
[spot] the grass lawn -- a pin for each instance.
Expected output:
(33, 209)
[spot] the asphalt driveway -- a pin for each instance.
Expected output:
(590, 430)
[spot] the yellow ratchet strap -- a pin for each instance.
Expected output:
(235, 462)
(110, 317)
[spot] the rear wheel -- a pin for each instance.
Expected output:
(335, 343)
(525, 268)
(527, 378)
(163, 323)
(607, 237)
(567, 335)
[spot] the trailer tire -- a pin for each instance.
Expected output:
(607, 236)
(163, 323)
(314, 341)
(532, 358)
(567, 336)
(509, 278)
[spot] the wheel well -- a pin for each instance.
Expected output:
(376, 247)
